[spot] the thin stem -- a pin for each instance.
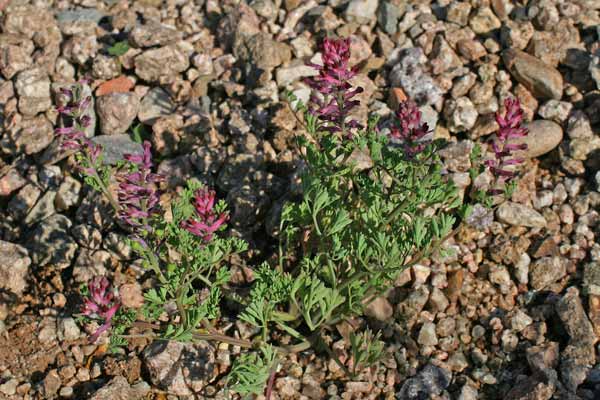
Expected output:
(270, 383)
(113, 202)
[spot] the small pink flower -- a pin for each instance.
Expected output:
(206, 222)
(102, 303)
(409, 128)
(510, 128)
(333, 84)
(137, 192)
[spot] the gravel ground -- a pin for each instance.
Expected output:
(513, 312)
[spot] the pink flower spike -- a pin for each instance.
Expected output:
(511, 128)
(102, 303)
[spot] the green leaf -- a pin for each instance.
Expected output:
(118, 49)
(250, 371)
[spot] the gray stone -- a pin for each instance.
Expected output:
(581, 148)
(90, 263)
(408, 73)
(51, 243)
(14, 58)
(594, 69)
(579, 126)
(546, 271)
(516, 34)
(67, 195)
(68, 329)
(388, 15)
(181, 369)
(79, 21)
(42, 209)
(119, 389)
(105, 67)
(116, 112)
(519, 215)
(262, 52)
(166, 61)
(237, 170)
(555, 110)
(154, 34)
(155, 104)
(14, 267)
(427, 335)
(460, 114)
(520, 321)
(33, 88)
(542, 80)
(591, 278)
(430, 381)
(575, 320)
(115, 146)
(286, 75)
(361, 11)
(484, 20)
(28, 136)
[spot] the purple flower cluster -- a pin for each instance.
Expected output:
(102, 303)
(138, 194)
(334, 86)
(510, 128)
(206, 222)
(409, 128)
(73, 137)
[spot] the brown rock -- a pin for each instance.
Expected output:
(455, 282)
(121, 84)
(541, 79)
(471, 49)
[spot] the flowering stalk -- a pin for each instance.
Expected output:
(138, 193)
(334, 86)
(102, 303)
(510, 128)
(207, 221)
(73, 137)
(410, 129)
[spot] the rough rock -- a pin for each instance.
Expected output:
(156, 103)
(116, 112)
(51, 243)
(14, 267)
(519, 215)
(571, 312)
(181, 369)
(380, 309)
(33, 88)
(484, 20)
(28, 135)
(154, 34)
(541, 79)
(546, 271)
(429, 382)
(166, 61)
(460, 114)
(115, 146)
(361, 11)
(409, 74)
(119, 389)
